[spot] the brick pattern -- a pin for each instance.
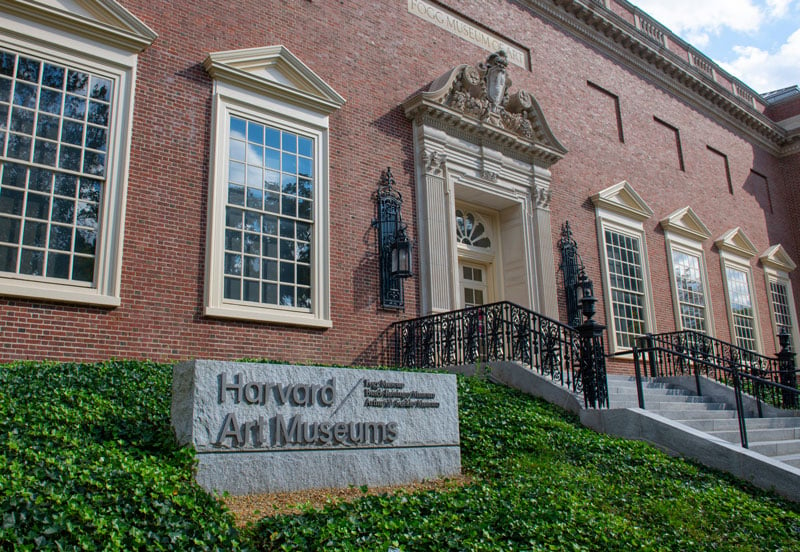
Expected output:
(376, 55)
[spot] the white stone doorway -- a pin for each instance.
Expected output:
(492, 152)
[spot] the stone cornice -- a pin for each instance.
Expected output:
(613, 35)
(471, 127)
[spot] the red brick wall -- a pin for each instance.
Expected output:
(376, 55)
(785, 109)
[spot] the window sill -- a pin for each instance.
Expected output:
(268, 315)
(53, 292)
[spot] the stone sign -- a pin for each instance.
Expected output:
(267, 428)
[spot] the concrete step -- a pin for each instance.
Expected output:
(663, 396)
(760, 435)
(730, 424)
(669, 406)
(776, 448)
(692, 415)
(791, 459)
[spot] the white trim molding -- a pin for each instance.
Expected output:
(684, 234)
(478, 143)
(270, 87)
(777, 265)
(103, 39)
(621, 211)
(735, 252)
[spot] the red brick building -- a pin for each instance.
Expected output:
(198, 179)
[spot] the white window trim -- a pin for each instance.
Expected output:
(739, 263)
(264, 97)
(611, 221)
(735, 251)
(685, 233)
(620, 209)
(777, 265)
(693, 249)
(107, 48)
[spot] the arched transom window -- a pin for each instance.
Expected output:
(473, 230)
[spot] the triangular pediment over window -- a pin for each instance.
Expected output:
(101, 20)
(736, 241)
(686, 223)
(776, 257)
(274, 71)
(623, 199)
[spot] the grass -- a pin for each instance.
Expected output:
(87, 462)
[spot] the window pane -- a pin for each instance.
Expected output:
(51, 103)
(627, 286)
(691, 296)
(739, 302)
(269, 191)
(58, 265)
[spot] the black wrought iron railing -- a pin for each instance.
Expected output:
(765, 380)
(506, 331)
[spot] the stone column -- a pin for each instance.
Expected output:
(545, 271)
(433, 207)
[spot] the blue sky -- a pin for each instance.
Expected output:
(757, 41)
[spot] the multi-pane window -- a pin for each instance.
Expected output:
(741, 306)
(473, 282)
(54, 128)
(779, 294)
(269, 215)
(623, 254)
(689, 285)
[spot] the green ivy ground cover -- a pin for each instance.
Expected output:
(87, 462)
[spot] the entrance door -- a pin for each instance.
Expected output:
(474, 285)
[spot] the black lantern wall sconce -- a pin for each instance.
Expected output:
(393, 244)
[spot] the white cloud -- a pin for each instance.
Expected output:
(778, 8)
(765, 71)
(696, 17)
(698, 39)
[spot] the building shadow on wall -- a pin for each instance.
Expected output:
(380, 351)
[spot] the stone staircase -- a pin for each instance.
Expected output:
(775, 436)
(678, 421)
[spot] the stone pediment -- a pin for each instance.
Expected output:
(274, 71)
(104, 20)
(686, 223)
(476, 100)
(776, 257)
(736, 241)
(623, 199)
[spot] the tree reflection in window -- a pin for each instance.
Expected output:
(269, 215)
(471, 230)
(53, 159)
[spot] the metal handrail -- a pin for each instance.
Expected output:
(504, 331)
(716, 355)
(765, 380)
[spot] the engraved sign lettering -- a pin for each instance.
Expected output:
(468, 31)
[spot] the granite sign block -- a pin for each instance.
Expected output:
(269, 428)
